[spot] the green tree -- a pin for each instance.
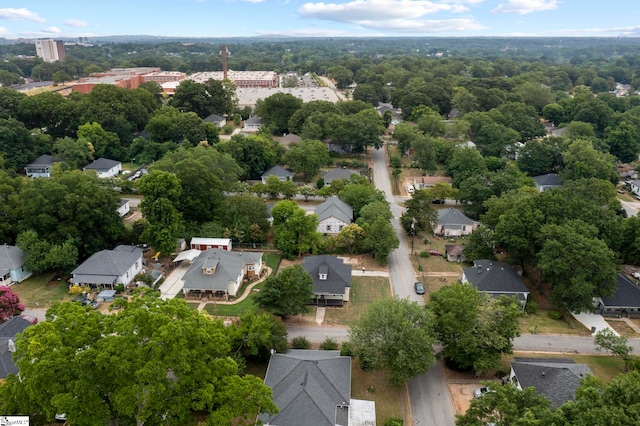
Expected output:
(161, 192)
(180, 357)
(380, 239)
(623, 141)
(50, 111)
(581, 160)
(358, 195)
(424, 155)
(255, 154)
(351, 238)
(464, 163)
(419, 215)
(277, 110)
(105, 144)
(480, 245)
(204, 99)
(607, 340)
(539, 157)
(578, 265)
(257, 334)
(307, 157)
(42, 256)
(297, 233)
(287, 293)
(474, 328)
(396, 335)
(17, 144)
(61, 77)
(245, 215)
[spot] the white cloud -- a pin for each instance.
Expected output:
(4, 32)
(375, 10)
(75, 23)
(306, 32)
(522, 7)
(424, 26)
(53, 30)
(252, 1)
(20, 14)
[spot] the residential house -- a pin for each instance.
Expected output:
(333, 215)
(202, 244)
(453, 223)
(337, 173)
(455, 253)
(554, 378)
(426, 182)
(313, 388)
(331, 279)
(124, 208)
(12, 265)
(635, 187)
(220, 272)
(252, 124)
(105, 168)
(625, 301)
(8, 331)
(280, 172)
(496, 279)
(548, 181)
(289, 139)
(216, 120)
(107, 268)
(41, 166)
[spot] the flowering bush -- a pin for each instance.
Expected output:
(9, 304)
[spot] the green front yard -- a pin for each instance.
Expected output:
(540, 323)
(35, 292)
(364, 291)
(374, 386)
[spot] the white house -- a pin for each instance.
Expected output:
(41, 166)
(200, 243)
(333, 215)
(124, 208)
(12, 265)
(252, 124)
(216, 120)
(107, 268)
(635, 187)
(105, 168)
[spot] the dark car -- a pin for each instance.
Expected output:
(30, 318)
(86, 301)
(433, 252)
(419, 287)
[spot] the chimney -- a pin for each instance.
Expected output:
(479, 268)
(224, 61)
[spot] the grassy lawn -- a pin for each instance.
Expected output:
(34, 292)
(364, 291)
(236, 310)
(603, 366)
(272, 260)
(374, 386)
(435, 263)
(546, 325)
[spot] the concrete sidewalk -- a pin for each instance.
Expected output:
(173, 283)
(593, 321)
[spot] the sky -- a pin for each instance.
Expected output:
(327, 18)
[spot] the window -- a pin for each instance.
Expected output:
(328, 228)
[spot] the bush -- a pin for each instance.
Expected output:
(347, 350)
(227, 129)
(555, 315)
(119, 288)
(79, 289)
(329, 344)
(531, 306)
(300, 343)
(394, 422)
(424, 253)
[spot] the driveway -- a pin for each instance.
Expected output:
(173, 283)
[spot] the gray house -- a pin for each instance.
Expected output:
(555, 378)
(625, 301)
(496, 279)
(107, 268)
(216, 120)
(8, 331)
(252, 124)
(12, 265)
(41, 166)
(333, 215)
(331, 279)
(453, 223)
(278, 171)
(548, 181)
(313, 388)
(337, 173)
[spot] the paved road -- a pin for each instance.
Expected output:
(631, 207)
(429, 396)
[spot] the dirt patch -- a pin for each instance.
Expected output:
(462, 395)
(357, 261)
(622, 327)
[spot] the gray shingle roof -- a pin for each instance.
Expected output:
(8, 331)
(308, 386)
(334, 207)
(557, 379)
(278, 171)
(337, 173)
(494, 277)
(11, 257)
(214, 118)
(450, 217)
(43, 160)
(102, 165)
(338, 274)
(255, 120)
(550, 179)
(627, 294)
(229, 265)
(105, 266)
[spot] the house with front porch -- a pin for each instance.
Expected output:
(453, 223)
(625, 301)
(217, 272)
(333, 215)
(331, 279)
(107, 268)
(41, 166)
(280, 172)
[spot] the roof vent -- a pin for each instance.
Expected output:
(544, 374)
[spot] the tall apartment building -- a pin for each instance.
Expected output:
(50, 50)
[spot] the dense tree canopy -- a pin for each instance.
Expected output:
(287, 293)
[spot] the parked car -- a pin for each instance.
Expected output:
(86, 301)
(433, 252)
(419, 287)
(479, 392)
(30, 318)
